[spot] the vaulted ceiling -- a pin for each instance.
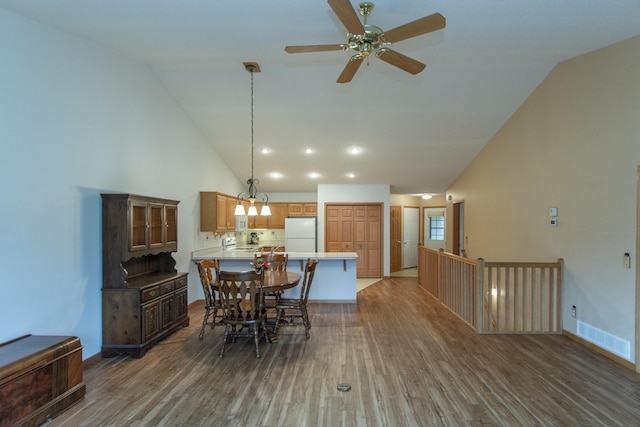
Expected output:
(417, 132)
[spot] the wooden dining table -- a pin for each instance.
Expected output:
(278, 281)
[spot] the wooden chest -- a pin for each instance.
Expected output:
(40, 376)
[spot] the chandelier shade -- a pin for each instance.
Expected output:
(252, 194)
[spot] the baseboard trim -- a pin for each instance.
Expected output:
(599, 350)
(333, 301)
(197, 303)
(91, 360)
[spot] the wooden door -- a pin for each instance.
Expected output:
(356, 228)
(396, 238)
(367, 223)
(339, 228)
(458, 225)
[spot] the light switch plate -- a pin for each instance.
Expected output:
(553, 211)
(626, 261)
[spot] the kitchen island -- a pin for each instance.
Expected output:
(334, 280)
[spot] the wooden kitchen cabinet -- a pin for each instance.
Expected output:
(278, 214)
(144, 298)
(273, 221)
(258, 221)
(302, 209)
(217, 212)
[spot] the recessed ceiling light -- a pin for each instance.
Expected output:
(275, 175)
(309, 151)
(351, 175)
(314, 175)
(427, 196)
(355, 150)
(265, 150)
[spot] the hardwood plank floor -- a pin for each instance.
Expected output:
(409, 360)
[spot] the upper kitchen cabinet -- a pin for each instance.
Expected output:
(275, 220)
(259, 221)
(302, 209)
(217, 212)
(278, 214)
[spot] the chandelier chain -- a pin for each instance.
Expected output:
(251, 72)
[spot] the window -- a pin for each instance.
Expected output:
(436, 227)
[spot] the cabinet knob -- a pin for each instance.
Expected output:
(152, 293)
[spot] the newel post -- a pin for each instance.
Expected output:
(480, 292)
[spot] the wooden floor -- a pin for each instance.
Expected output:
(409, 361)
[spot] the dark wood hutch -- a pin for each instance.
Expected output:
(144, 298)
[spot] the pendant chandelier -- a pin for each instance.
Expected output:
(252, 194)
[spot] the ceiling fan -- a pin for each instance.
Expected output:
(366, 39)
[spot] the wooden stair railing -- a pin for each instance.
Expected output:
(495, 297)
(522, 297)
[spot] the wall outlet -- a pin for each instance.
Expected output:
(573, 311)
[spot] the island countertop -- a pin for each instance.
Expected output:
(334, 280)
(248, 254)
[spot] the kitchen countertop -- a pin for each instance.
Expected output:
(248, 253)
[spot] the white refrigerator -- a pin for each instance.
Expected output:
(300, 234)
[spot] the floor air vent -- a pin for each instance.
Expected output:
(609, 342)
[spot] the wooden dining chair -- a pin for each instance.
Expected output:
(296, 308)
(277, 262)
(208, 270)
(242, 306)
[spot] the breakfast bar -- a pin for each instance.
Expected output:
(335, 276)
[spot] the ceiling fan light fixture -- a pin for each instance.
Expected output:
(365, 39)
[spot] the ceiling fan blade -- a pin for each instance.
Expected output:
(416, 28)
(347, 16)
(313, 48)
(350, 70)
(401, 61)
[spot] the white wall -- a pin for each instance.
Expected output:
(293, 197)
(76, 121)
(350, 193)
(575, 145)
